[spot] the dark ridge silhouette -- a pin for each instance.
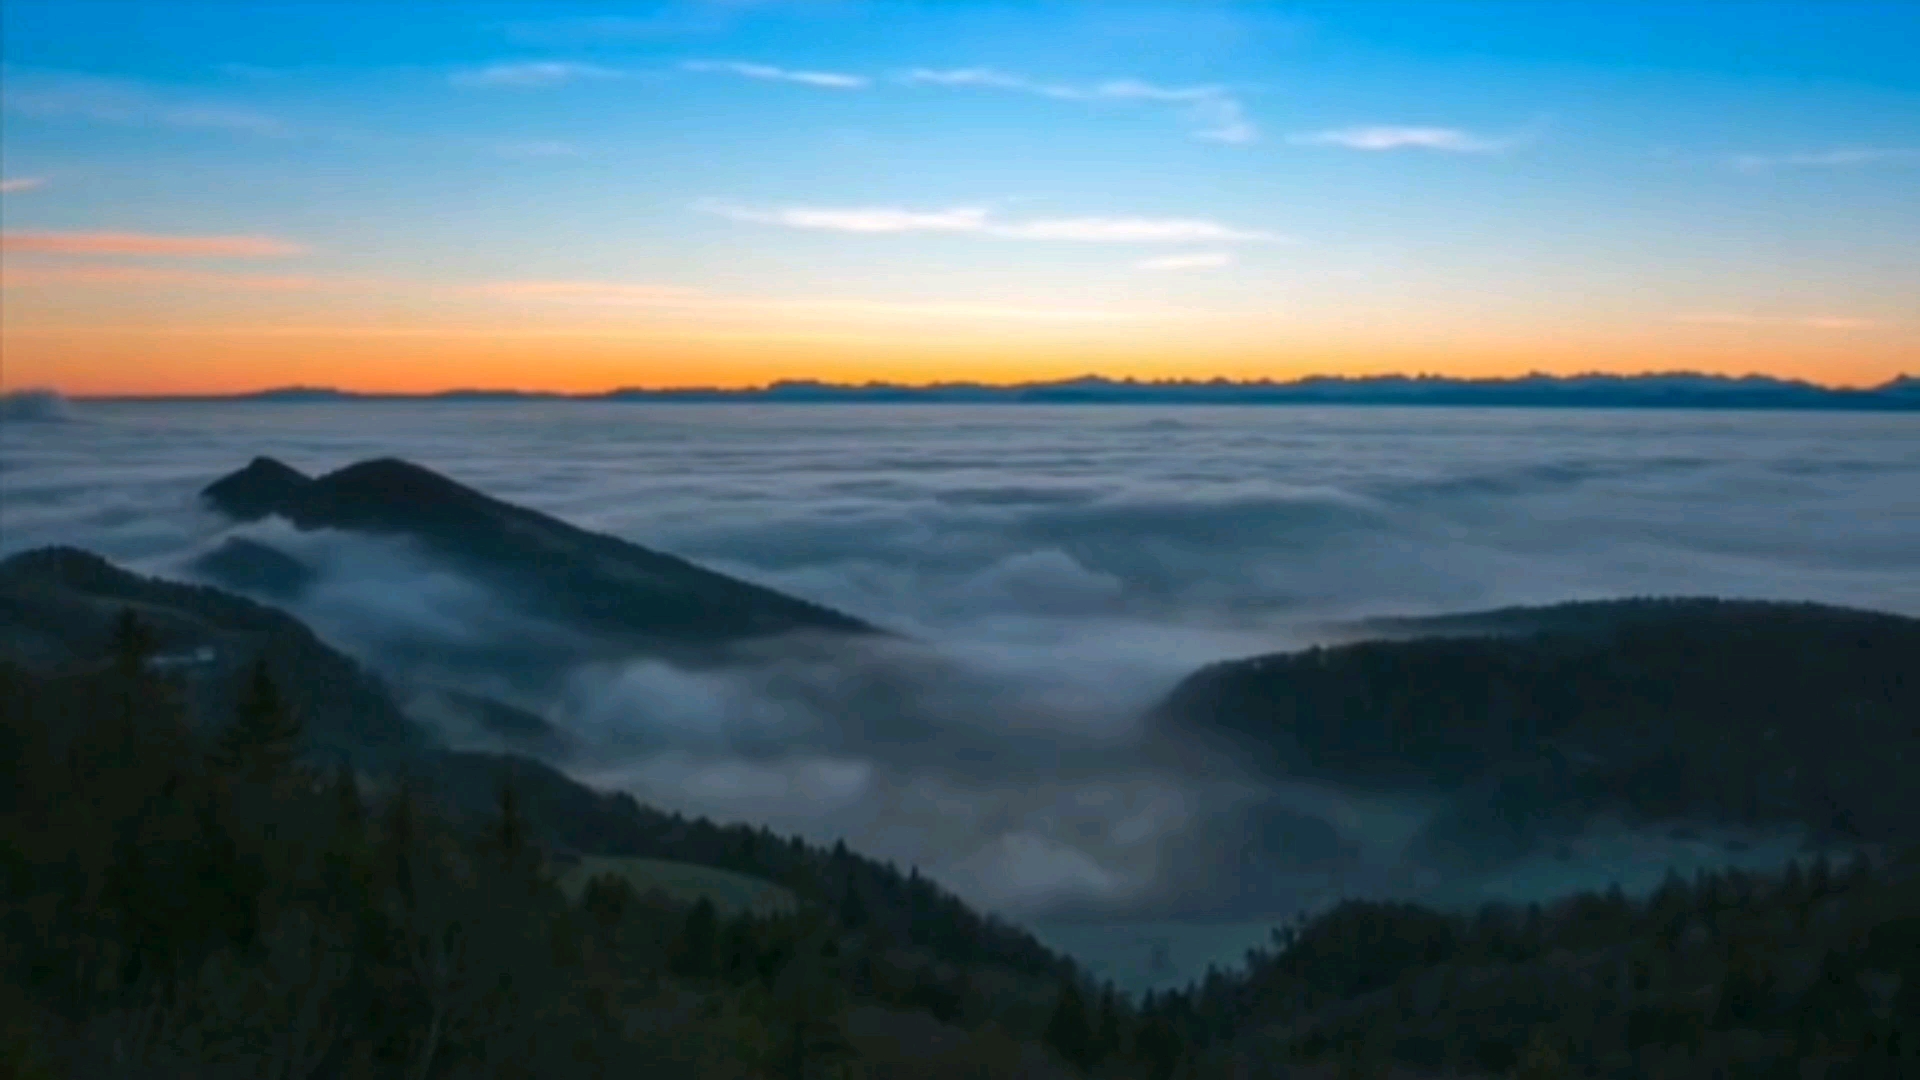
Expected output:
(1534, 720)
(262, 488)
(253, 567)
(1601, 617)
(57, 609)
(490, 720)
(589, 581)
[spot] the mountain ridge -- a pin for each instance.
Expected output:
(589, 580)
(1679, 389)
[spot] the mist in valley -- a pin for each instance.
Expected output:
(1046, 584)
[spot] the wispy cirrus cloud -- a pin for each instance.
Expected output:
(129, 243)
(1213, 113)
(979, 221)
(1126, 230)
(14, 185)
(864, 219)
(1199, 260)
(533, 73)
(829, 80)
(58, 95)
(108, 275)
(1810, 322)
(1400, 137)
(1828, 159)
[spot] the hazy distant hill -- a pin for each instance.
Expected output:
(57, 607)
(1534, 720)
(589, 582)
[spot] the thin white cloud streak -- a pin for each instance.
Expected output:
(829, 80)
(114, 101)
(18, 184)
(531, 74)
(1811, 322)
(1829, 159)
(1125, 230)
(978, 221)
(879, 219)
(1391, 137)
(1213, 112)
(1201, 260)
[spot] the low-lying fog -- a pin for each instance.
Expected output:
(1058, 569)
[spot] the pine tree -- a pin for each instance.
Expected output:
(1107, 1038)
(1067, 1030)
(264, 737)
(693, 948)
(132, 642)
(509, 838)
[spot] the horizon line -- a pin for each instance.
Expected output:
(1090, 380)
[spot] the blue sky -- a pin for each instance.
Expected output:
(727, 190)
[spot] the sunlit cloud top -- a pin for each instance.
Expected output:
(204, 196)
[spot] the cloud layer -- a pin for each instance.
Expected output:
(1063, 567)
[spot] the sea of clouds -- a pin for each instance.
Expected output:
(1057, 569)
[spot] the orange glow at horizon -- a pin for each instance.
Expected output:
(110, 361)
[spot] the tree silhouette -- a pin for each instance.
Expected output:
(263, 740)
(1068, 1031)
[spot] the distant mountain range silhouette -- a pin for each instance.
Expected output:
(1689, 390)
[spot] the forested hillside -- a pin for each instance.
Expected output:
(1743, 713)
(185, 897)
(202, 900)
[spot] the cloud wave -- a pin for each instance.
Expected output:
(1062, 571)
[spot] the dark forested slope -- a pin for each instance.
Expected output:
(58, 607)
(1736, 712)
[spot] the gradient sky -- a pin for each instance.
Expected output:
(222, 196)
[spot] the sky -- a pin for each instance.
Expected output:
(216, 196)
